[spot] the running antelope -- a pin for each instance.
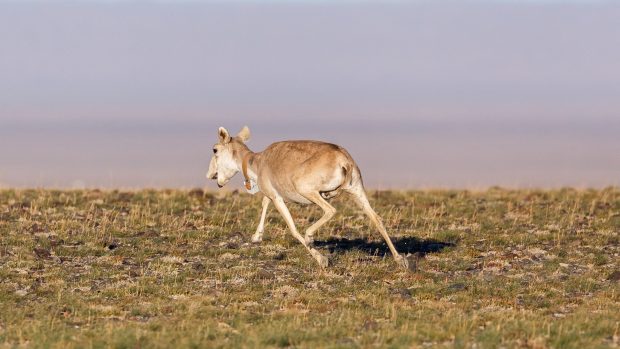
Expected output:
(294, 171)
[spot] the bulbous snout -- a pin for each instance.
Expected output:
(212, 172)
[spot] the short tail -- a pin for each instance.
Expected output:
(347, 171)
(352, 174)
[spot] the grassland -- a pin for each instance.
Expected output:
(497, 268)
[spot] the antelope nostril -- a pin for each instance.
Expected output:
(214, 176)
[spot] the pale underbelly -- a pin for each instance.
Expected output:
(295, 197)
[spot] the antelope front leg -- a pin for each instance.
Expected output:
(279, 204)
(258, 236)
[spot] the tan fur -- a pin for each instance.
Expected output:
(296, 171)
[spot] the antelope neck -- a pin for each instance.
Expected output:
(244, 169)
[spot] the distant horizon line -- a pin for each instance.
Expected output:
(235, 189)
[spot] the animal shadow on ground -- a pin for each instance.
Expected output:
(404, 245)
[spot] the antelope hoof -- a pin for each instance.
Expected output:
(322, 260)
(402, 262)
(309, 240)
(256, 238)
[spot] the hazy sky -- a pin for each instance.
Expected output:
(423, 94)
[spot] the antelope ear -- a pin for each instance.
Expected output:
(244, 134)
(224, 136)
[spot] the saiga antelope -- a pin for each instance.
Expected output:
(294, 171)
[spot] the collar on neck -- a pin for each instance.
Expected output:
(244, 169)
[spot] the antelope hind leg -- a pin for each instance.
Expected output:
(328, 210)
(359, 196)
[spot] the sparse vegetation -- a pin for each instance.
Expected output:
(525, 268)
